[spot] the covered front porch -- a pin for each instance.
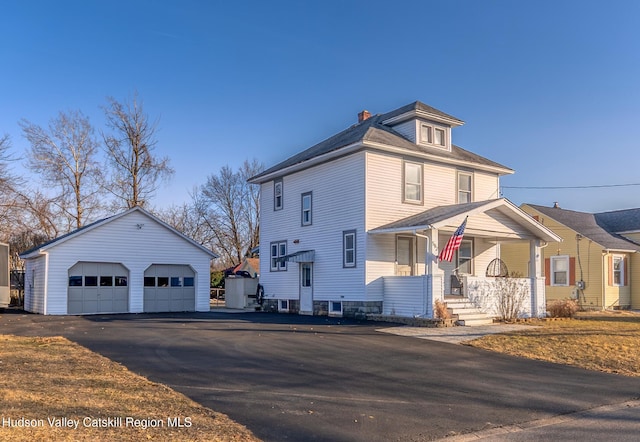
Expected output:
(476, 274)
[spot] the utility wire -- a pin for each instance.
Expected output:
(571, 187)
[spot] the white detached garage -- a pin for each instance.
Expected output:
(129, 263)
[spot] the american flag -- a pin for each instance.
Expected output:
(453, 244)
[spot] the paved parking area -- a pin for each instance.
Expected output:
(452, 335)
(298, 378)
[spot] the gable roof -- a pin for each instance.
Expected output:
(620, 221)
(375, 133)
(441, 216)
(587, 225)
(61, 239)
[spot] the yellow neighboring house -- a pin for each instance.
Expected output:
(597, 262)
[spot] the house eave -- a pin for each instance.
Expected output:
(337, 153)
(398, 150)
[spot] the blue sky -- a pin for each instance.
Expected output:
(548, 88)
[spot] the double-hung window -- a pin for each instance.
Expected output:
(278, 252)
(617, 270)
(412, 183)
(277, 195)
(560, 270)
(349, 248)
(306, 209)
(464, 187)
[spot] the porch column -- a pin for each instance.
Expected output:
(537, 283)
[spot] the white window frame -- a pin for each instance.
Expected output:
(406, 183)
(468, 258)
(278, 197)
(620, 259)
(427, 135)
(460, 191)
(277, 249)
(333, 312)
(306, 212)
(283, 305)
(552, 266)
(346, 263)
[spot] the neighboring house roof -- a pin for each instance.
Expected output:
(587, 225)
(253, 263)
(441, 216)
(54, 242)
(373, 132)
(620, 221)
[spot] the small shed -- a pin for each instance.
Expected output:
(128, 263)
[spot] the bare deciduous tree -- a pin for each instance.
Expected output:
(65, 157)
(135, 170)
(229, 207)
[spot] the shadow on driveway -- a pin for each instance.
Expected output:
(289, 377)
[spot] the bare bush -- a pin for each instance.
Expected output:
(563, 308)
(440, 310)
(510, 296)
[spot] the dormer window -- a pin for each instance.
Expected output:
(433, 135)
(426, 134)
(439, 137)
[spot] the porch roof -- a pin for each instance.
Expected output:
(447, 218)
(301, 256)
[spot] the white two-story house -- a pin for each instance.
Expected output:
(353, 225)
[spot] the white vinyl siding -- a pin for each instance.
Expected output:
(333, 212)
(134, 240)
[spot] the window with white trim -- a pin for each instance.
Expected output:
(465, 185)
(277, 195)
(278, 250)
(432, 135)
(306, 209)
(439, 137)
(618, 269)
(560, 270)
(464, 257)
(283, 305)
(349, 248)
(335, 308)
(412, 182)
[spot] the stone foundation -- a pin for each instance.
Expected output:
(350, 309)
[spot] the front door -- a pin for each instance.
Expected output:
(306, 288)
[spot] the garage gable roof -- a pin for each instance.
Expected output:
(61, 239)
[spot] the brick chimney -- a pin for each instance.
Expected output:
(364, 115)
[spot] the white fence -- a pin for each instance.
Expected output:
(411, 296)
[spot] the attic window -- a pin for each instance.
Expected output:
(432, 135)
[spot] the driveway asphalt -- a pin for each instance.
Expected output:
(299, 378)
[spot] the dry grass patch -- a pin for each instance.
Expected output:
(607, 342)
(44, 379)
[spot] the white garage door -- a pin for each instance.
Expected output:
(98, 287)
(169, 288)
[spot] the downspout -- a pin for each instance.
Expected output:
(604, 276)
(45, 293)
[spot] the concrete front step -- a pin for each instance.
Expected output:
(465, 312)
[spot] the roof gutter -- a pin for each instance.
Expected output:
(341, 151)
